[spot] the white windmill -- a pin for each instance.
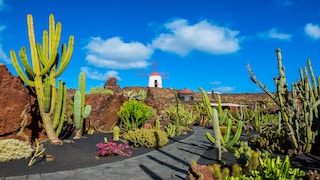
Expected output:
(155, 78)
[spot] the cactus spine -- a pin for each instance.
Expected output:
(81, 111)
(46, 67)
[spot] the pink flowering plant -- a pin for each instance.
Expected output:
(111, 148)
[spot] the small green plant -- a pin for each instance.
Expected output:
(149, 138)
(276, 168)
(100, 90)
(116, 133)
(38, 152)
(133, 114)
(13, 149)
(133, 95)
(171, 130)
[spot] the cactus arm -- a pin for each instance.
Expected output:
(47, 95)
(19, 70)
(63, 108)
(206, 102)
(236, 136)
(25, 62)
(45, 44)
(228, 130)
(66, 59)
(53, 46)
(86, 111)
(263, 87)
(59, 104)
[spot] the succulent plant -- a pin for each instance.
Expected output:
(149, 138)
(13, 149)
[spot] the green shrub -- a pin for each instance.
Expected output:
(133, 114)
(100, 90)
(13, 149)
(149, 138)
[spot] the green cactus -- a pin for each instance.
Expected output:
(81, 111)
(47, 65)
(299, 109)
(149, 138)
(171, 130)
(116, 133)
(61, 107)
(217, 134)
(157, 126)
(133, 115)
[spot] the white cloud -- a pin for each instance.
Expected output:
(3, 6)
(3, 56)
(203, 36)
(275, 34)
(312, 30)
(224, 89)
(93, 74)
(215, 83)
(284, 3)
(115, 54)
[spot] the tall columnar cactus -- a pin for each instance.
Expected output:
(216, 131)
(47, 65)
(299, 109)
(81, 111)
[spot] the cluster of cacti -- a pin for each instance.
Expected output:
(182, 116)
(100, 90)
(299, 109)
(263, 121)
(149, 138)
(220, 172)
(227, 140)
(13, 149)
(80, 110)
(47, 65)
(201, 113)
(272, 140)
(133, 95)
(247, 158)
(171, 130)
(133, 114)
(276, 168)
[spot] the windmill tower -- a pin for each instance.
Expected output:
(155, 78)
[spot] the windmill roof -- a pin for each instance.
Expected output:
(155, 74)
(186, 91)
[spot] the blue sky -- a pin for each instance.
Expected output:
(193, 43)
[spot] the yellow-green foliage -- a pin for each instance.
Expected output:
(149, 138)
(100, 90)
(12, 149)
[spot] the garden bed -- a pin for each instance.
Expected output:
(73, 154)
